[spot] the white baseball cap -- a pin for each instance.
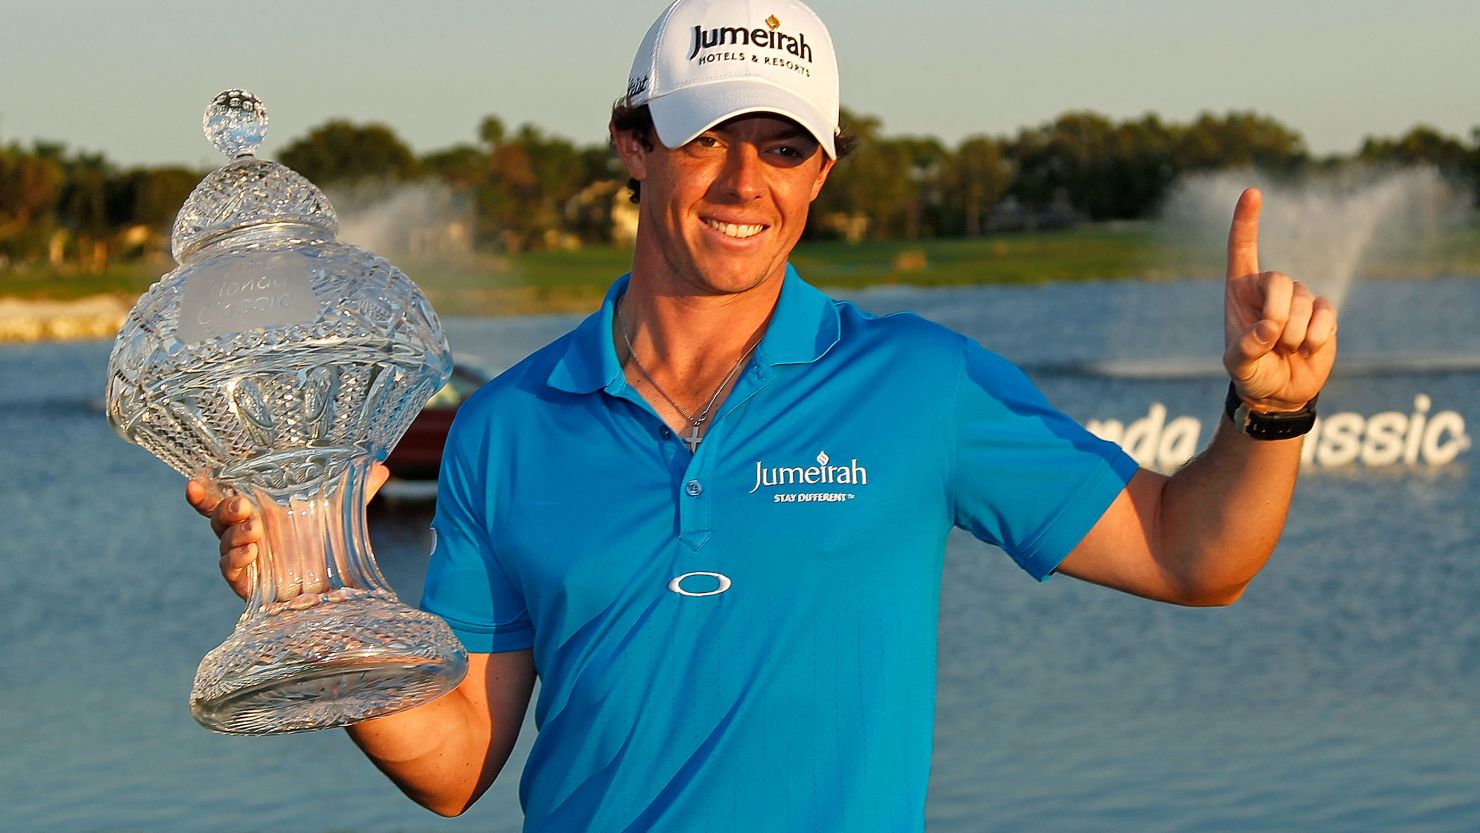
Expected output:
(705, 61)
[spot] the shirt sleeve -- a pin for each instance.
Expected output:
(465, 583)
(1026, 477)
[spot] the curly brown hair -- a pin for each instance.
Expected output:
(639, 122)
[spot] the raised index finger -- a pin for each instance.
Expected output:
(1243, 235)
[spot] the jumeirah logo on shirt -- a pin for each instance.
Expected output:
(822, 474)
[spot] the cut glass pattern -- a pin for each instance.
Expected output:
(281, 363)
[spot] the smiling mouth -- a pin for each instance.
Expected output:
(740, 231)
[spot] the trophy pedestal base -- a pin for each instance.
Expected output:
(325, 660)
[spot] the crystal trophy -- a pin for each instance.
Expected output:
(281, 363)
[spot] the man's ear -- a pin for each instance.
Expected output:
(827, 166)
(631, 151)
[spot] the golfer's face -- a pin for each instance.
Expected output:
(725, 210)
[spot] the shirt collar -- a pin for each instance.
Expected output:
(802, 329)
(590, 359)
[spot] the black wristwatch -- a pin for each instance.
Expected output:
(1281, 425)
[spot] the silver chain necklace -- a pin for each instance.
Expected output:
(696, 423)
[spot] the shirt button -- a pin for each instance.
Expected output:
(665, 432)
(693, 487)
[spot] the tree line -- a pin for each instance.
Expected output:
(529, 189)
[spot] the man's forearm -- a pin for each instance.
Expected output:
(429, 752)
(1221, 515)
(444, 754)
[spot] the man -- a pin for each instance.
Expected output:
(711, 519)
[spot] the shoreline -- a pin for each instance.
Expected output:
(101, 315)
(24, 321)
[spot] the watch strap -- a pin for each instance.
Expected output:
(1278, 425)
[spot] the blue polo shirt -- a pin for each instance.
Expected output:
(743, 639)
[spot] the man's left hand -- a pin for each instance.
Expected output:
(1279, 338)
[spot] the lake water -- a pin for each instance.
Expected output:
(1339, 695)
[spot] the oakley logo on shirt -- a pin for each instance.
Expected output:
(721, 584)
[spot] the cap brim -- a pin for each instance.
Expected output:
(682, 115)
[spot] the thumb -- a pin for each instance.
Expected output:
(1250, 347)
(378, 475)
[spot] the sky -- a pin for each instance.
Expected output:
(130, 79)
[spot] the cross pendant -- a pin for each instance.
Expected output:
(693, 438)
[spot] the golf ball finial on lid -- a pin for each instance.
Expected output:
(235, 122)
(248, 191)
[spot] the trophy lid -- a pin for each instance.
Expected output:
(248, 191)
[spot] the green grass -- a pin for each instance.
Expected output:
(1089, 253)
(568, 281)
(65, 284)
(574, 281)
